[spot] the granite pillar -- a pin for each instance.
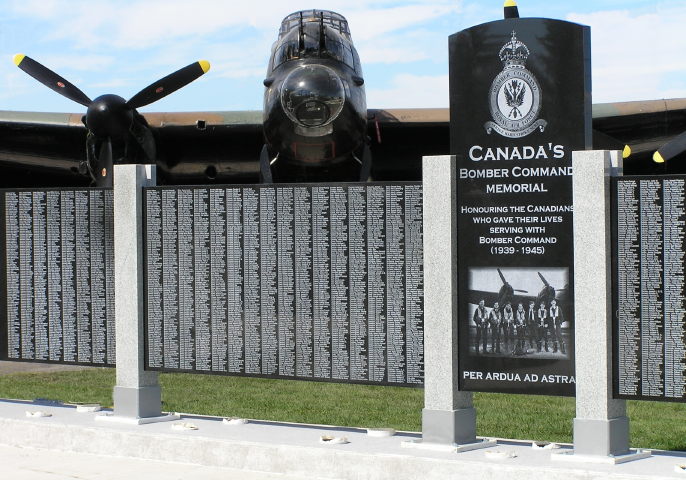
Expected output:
(137, 395)
(601, 427)
(448, 417)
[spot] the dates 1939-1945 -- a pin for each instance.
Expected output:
(525, 250)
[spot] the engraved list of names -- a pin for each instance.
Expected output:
(650, 298)
(319, 282)
(57, 276)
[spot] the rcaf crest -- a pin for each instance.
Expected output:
(515, 96)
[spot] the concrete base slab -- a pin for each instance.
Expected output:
(449, 426)
(455, 448)
(293, 450)
(601, 437)
(630, 456)
(137, 402)
(24, 463)
(110, 417)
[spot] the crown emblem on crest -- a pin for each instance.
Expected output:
(515, 95)
(514, 53)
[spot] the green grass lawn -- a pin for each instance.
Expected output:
(653, 424)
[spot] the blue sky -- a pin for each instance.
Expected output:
(108, 46)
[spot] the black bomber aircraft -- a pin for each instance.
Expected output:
(315, 125)
(315, 110)
(113, 124)
(508, 294)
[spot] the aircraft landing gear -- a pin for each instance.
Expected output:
(266, 165)
(365, 162)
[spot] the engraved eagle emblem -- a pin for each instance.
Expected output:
(514, 95)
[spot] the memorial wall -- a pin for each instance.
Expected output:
(649, 297)
(57, 276)
(526, 85)
(319, 282)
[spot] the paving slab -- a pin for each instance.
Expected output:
(294, 450)
(24, 463)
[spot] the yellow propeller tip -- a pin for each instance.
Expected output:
(510, 3)
(657, 158)
(18, 58)
(626, 152)
(205, 65)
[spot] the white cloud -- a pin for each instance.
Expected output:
(12, 84)
(632, 54)
(411, 91)
(372, 23)
(44, 9)
(228, 70)
(141, 24)
(76, 62)
(395, 55)
(405, 47)
(113, 83)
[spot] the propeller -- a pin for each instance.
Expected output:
(110, 117)
(50, 79)
(545, 282)
(510, 9)
(548, 289)
(169, 84)
(104, 163)
(505, 282)
(670, 149)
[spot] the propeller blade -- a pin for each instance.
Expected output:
(521, 291)
(545, 282)
(626, 153)
(50, 79)
(169, 84)
(670, 149)
(510, 9)
(104, 170)
(502, 277)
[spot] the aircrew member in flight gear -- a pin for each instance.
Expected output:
(520, 327)
(556, 320)
(542, 321)
(481, 321)
(495, 319)
(532, 325)
(508, 328)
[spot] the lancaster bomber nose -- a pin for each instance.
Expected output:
(312, 95)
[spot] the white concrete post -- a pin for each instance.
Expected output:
(137, 395)
(448, 416)
(601, 427)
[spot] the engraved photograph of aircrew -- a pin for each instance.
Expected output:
(519, 312)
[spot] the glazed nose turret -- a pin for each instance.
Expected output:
(312, 95)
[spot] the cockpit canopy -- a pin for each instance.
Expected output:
(330, 19)
(315, 34)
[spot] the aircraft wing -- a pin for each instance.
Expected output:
(474, 296)
(44, 149)
(644, 126)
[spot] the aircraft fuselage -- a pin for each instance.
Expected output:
(315, 110)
